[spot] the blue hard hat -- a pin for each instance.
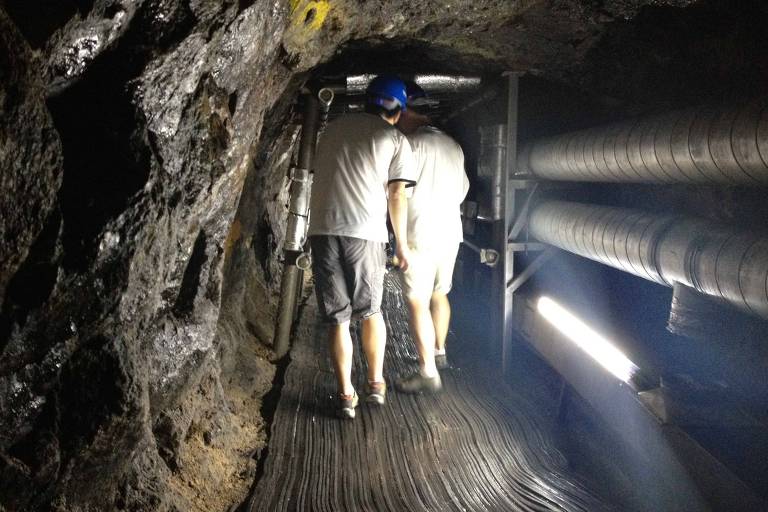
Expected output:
(387, 91)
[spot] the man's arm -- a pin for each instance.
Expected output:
(398, 216)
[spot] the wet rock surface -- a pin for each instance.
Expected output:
(137, 298)
(30, 156)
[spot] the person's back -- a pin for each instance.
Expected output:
(434, 217)
(358, 155)
(434, 235)
(362, 167)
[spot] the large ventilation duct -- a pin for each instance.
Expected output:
(357, 84)
(727, 145)
(708, 257)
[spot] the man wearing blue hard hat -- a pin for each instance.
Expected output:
(434, 234)
(362, 168)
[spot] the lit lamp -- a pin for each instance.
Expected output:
(599, 348)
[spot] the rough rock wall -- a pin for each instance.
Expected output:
(128, 131)
(111, 381)
(30, 155)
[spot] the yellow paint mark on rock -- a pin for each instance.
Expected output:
(310, 14)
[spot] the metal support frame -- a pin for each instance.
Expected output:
(522, 216)
(526, 246)
(512, 281)
(506, 266)
(532, 268)
(507, 196)
(517, 194)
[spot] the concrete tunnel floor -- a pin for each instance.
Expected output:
(478, 445)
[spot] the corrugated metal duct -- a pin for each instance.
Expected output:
(708, 257)
(705, 145)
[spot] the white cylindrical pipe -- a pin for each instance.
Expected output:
(717, 260)
(706, 145)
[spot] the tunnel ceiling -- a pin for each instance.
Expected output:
(549, 38)
(130, 130)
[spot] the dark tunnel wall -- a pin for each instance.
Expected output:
(137, 296)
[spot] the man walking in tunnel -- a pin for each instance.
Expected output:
(434, 235)
(362, 169)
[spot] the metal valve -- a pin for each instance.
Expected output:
(489, 257)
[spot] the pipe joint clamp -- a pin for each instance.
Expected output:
(298, 209)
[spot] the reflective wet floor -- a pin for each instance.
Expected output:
(477, 446)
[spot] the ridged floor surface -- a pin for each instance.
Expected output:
(475, 447)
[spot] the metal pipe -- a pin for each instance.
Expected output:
(487, 95)
(705, 145)
(297, 224)
(298, 209)
(490, 168)
(711, 258)
(288, 285)
(472, 246)
(326, 96)
(352, 90)
(487, 256)
(308, 132)
(357, 84)
(447, 83)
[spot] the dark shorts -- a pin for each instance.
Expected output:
(349, 277)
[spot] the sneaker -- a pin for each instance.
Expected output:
(347, 406)
(441, 361)
(376, 393)
(417, 383)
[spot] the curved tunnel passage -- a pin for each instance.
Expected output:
(145, 154)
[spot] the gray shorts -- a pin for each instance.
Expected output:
(349, 277)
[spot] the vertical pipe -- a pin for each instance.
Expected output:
(290, 287)
(290, 280)
(326, 97)
(490, 169)
(308, 132)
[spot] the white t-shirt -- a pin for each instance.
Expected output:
(434, 215)
(358, 155)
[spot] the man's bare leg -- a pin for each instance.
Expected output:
(427, 379)
(440, 309)
(374, 344)
(341, 355)
(424, 332)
